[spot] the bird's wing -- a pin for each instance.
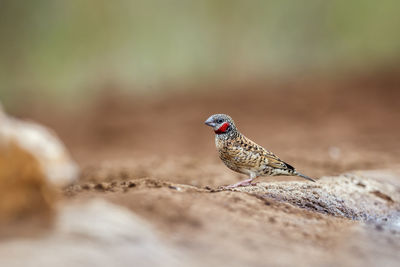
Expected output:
(276, 163)
(259, 155)
(246, 154)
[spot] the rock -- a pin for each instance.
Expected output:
(25, 192)
(95, 233)
(43, 144)
(361, 195)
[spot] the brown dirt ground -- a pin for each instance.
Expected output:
(153, 154)
(321, 126)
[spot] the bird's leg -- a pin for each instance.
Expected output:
(244, 182)
(253, 176)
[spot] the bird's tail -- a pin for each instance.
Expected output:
(303, 176)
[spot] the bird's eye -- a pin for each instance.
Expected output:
(220, 120)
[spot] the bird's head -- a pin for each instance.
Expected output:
(221, 123)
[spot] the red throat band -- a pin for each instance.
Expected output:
(223, 128)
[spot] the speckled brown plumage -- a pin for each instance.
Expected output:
(242, 155)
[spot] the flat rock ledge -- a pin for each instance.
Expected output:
(360, 195)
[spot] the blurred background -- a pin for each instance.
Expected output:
(127, 73)
(68, 51)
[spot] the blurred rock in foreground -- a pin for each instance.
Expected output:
(53, 158)
(24, 190)
(94, 233)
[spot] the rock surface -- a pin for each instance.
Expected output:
(348, 220)
(366, 196)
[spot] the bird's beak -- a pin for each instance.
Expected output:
(210, 122)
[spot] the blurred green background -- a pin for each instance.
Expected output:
(67, 50)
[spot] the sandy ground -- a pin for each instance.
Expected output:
(152, 155)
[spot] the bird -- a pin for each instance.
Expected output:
(242, 155)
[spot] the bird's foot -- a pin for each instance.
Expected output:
(242, 183)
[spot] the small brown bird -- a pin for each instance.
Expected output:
(242, 155)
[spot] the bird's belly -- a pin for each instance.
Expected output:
(237, 164)
(229, 162)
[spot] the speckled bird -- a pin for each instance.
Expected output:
(242, 155)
